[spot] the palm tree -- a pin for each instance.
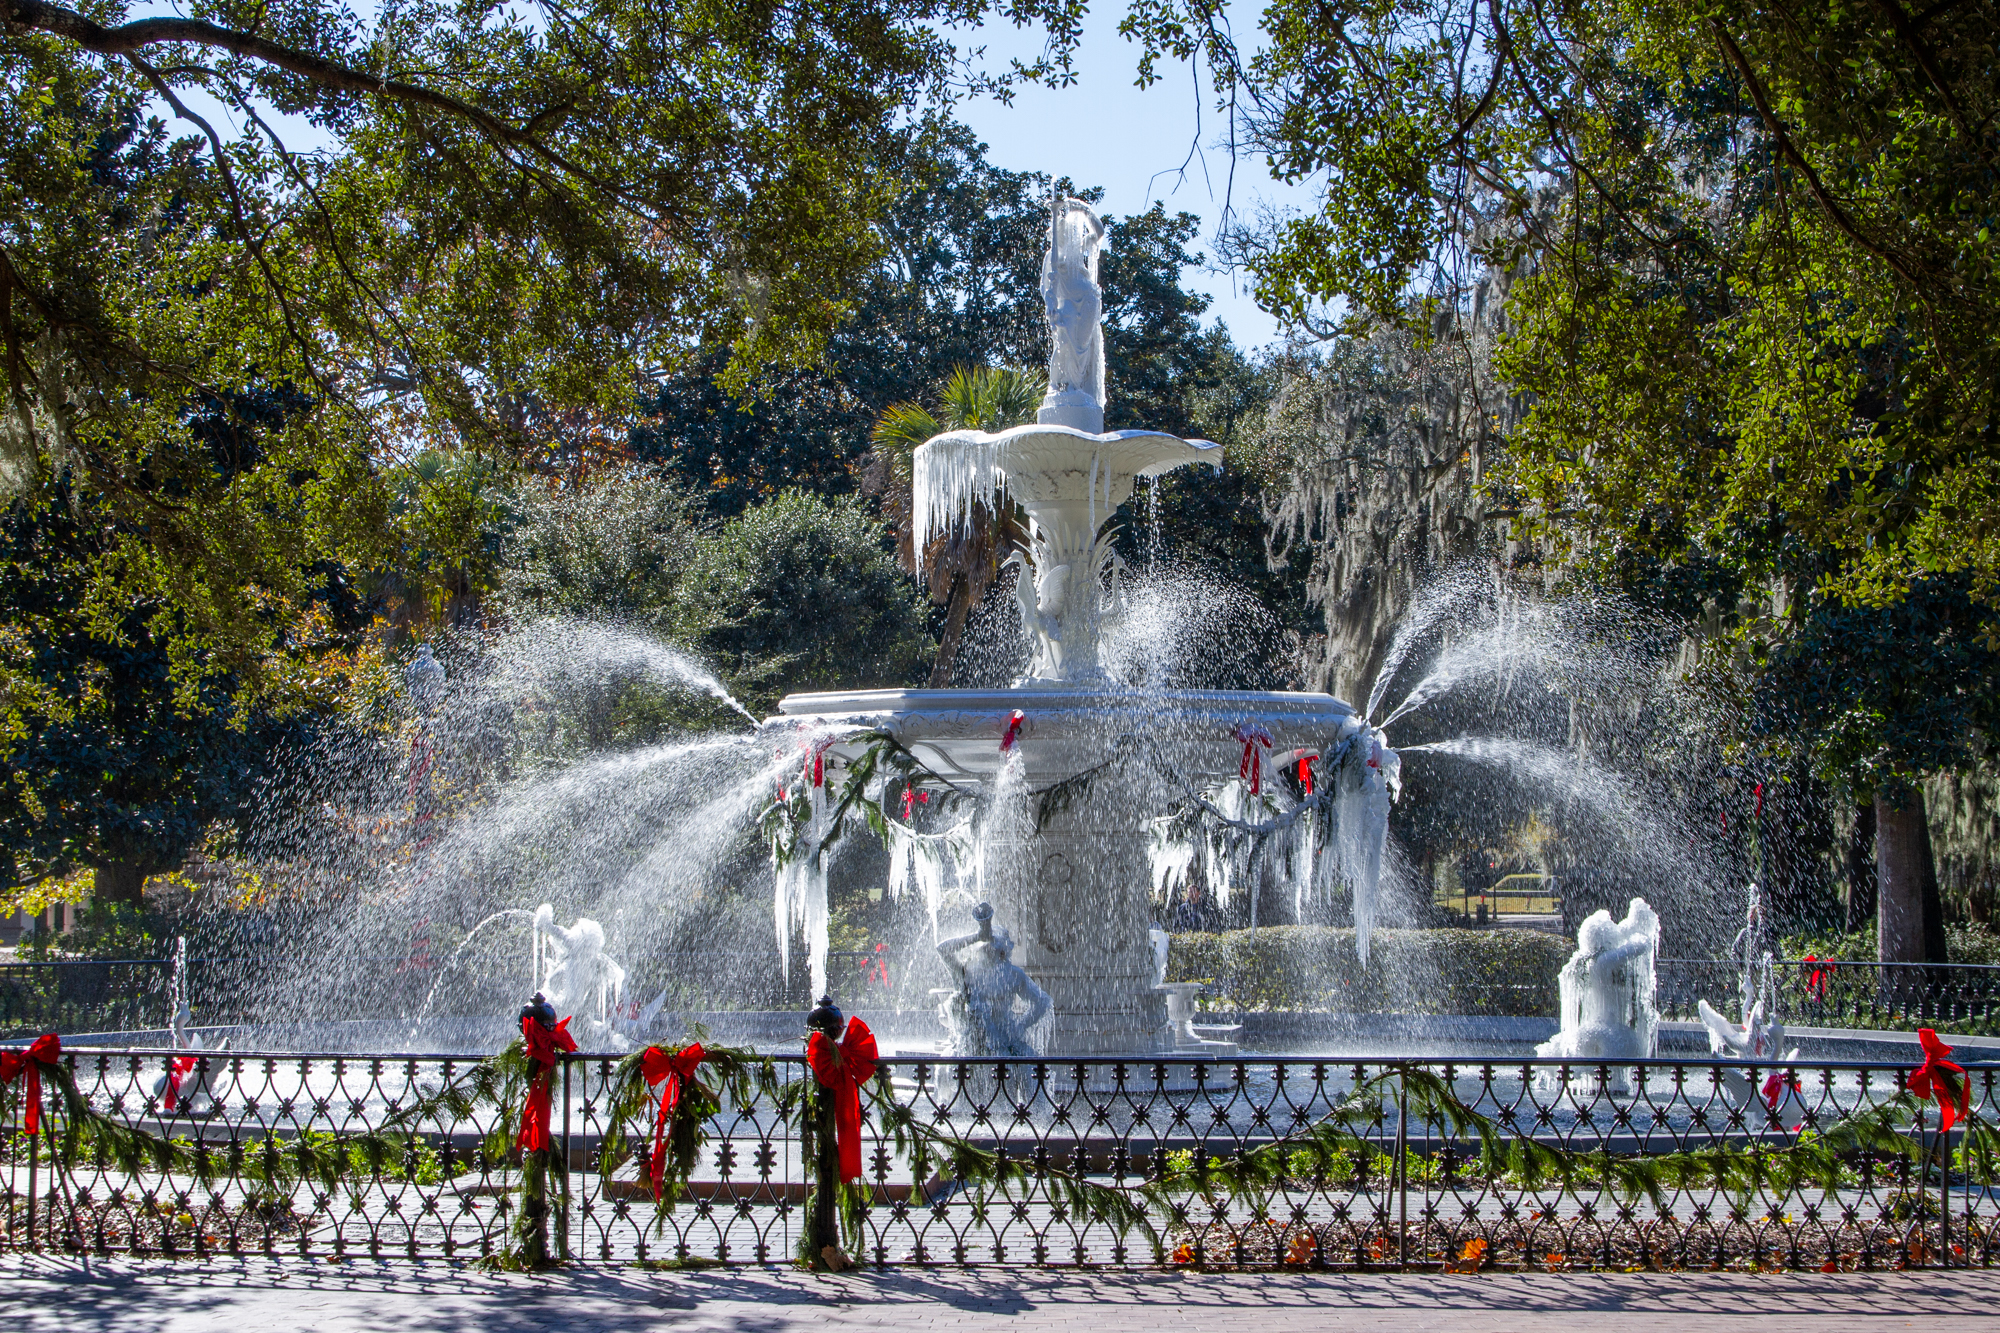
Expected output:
(960, 567)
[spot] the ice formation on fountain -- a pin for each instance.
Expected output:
(980, 1016)
(1067, 768)
(1608, 998)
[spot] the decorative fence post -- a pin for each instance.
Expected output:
(1403, 1166)
(544, 1042)
(819, 1147)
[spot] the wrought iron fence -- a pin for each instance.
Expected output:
(1961, 997)
(1668, 1164)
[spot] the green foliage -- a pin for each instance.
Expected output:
(615, 544)
(799, 594)
(124, 731)
(1747, 252)
(1965, 942)
(1315, 967)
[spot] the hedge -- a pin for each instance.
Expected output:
(1314, 968)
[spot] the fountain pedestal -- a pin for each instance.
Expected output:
(1076, 890)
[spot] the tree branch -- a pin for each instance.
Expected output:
(1821, 195)
(128, 38)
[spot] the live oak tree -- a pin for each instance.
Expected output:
(448, 226)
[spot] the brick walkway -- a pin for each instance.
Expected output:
(46, 1295)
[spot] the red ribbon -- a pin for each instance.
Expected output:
(1774, 1089)
(177, 1069)
(47, 1050)
(542, 1045)
(816, 764)
(675, 1069)
(1252, 766)
(844, 1066)
(1758, 812)
(911, 796)
(1013, 732)
(1816, 979)
(1934, 1081)
(1306, 772)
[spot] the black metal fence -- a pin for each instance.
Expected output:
(1409, 1189)
(1962, 997)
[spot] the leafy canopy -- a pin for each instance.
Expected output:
(1750, 248)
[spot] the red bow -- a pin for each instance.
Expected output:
(658, 1065)
(542, 1044)
(1013, 732)
(1252, 766)
(1774, 1088)
(47, 1050)
(1306, 772)
(177, 1069)
(844, 1066)
(910, 798)
(1758, 812)
(1934, 1081)
(1816, 979)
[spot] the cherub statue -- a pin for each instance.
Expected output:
(982, 1017)
(580, 978)
(1607, 989)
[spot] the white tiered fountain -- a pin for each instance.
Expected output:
(1075, 886)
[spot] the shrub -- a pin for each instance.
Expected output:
(1490, 972)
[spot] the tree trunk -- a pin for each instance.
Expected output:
(1911, 910)
(1860, 860)
(954, 629)
(119, 882)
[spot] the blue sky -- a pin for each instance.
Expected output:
(1104, 131)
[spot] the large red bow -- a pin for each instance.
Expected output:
(844, 1066)
(674, 1069)
(1306, 772)
(1816, 979)
(177, 1069)
(1939, 1080)
(47, 1050)
(542, 1045)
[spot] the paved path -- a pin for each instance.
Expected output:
(46, 1295)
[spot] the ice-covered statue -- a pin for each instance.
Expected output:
(1075, 310)
(1608, 1008)
(575, 973)
(982, 1017)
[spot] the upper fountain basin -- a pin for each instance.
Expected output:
(1069, 480)
(957, 734)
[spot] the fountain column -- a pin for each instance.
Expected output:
(1075, 896)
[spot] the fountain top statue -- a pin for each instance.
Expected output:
(1076, 311)
(1064, 470)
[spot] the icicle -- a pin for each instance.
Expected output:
(948, 475)
(902, 851)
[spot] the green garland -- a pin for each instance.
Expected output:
(736, 1072)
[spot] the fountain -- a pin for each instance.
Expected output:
(1068, 765)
